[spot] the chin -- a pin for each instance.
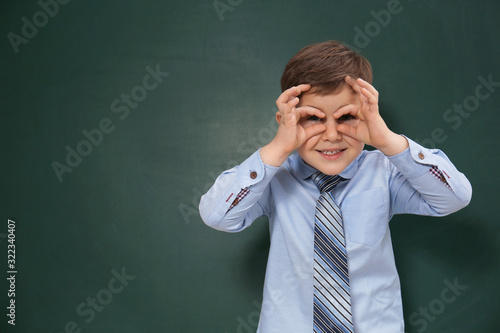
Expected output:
(331, 171)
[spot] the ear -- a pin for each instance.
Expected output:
(278, 117)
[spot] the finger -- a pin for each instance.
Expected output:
(351, 81)
(314, 130)
(286, 96)
(291, 107)
(362, 83)
(359, 83)
(303, 87)
(299, 112)
(365, 96)
(348, 130)
(355, 86)
(352, 110)
(290, 113)
(369, 96)
(305, 111)
(291, 104)
(285, 106)
(293, 92)
(368, 91)
(362, 87)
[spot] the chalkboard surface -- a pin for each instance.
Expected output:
(118, 115)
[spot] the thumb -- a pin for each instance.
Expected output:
(348, 130)
(314, 130)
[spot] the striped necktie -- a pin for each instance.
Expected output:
(332, 299)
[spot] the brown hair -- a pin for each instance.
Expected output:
(325, 66)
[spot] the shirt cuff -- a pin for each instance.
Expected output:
(415, 160)
(253, 174)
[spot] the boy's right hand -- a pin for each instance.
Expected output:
(291, 134)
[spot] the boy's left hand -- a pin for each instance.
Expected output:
(371, 128)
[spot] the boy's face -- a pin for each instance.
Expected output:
(330, 151)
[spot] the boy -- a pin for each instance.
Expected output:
(331, 267)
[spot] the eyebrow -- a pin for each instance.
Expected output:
(343, 106)
(315, 107)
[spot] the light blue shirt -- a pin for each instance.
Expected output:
(375, 188)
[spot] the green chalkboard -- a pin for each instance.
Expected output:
(116, 116)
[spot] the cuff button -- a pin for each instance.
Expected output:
(421, 155)
(253, 174)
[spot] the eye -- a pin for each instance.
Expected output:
(314, 118)
(346, 117)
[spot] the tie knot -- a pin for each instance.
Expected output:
(325, 183)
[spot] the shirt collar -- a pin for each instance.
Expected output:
(304, 170)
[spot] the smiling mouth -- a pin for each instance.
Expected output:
(332, 155)
(331, 152)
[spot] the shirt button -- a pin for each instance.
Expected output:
(253, 174)
(421, 155)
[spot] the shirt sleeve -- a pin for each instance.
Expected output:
(422, 182)
(238, 196)
(439, 175)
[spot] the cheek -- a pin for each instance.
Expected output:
(308, 146)
(312, 141)
(356, 144)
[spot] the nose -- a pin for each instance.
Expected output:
(331, 134)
